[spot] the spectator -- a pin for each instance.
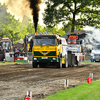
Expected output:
(21, 52)
(16, 52)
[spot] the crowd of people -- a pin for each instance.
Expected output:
(17, 52)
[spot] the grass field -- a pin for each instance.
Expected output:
(89, 62)
(2, 63)
(83, 92)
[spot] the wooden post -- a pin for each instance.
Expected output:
(66, 89)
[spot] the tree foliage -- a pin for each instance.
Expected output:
(16, 30)
(72, 13)
(11, 27)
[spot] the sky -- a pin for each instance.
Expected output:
(19, 8)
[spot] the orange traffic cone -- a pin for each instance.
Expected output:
(89, 80)
(27, 98)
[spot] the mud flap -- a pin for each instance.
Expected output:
(71, 59)
(59, 64)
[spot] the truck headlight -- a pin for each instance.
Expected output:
(35, 58)
(53, 58)
(92, 55)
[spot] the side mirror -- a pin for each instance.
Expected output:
(60, 42)
(81, 42)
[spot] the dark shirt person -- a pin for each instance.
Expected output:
(21, 52)
(16, 53)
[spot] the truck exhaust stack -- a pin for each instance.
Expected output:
(34, 5)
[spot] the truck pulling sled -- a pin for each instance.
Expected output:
(75, 50)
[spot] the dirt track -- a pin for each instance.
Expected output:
(16, 80)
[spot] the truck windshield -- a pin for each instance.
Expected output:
(71, 41)
(96, 47)
(45, 42)
(6, 45)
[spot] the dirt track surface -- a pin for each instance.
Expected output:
(16, 80)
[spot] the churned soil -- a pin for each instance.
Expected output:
(17, 79)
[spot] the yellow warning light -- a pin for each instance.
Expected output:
(53, 33)
(73, 33)
(36, 33)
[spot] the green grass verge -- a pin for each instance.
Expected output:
(83, 92)
(1, 63)
(89, 62)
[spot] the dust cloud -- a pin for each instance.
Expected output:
(92, 38)
(20, 8)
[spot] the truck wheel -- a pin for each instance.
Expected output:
(59, 64)
(78, 63)
(34, 64)
(66, 61)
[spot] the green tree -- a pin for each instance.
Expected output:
(41, 29)
(30, 27)
(14, 29)
(55, 29)
(3, 14)
(10, 27)
(75, 12)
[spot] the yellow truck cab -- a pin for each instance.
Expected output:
(49, 49)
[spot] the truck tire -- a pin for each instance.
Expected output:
(78, 63)
(34, 64)
(59, 64)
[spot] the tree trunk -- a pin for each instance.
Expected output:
(73, 21)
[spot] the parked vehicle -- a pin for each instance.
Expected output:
(95, 53)
(5, 47)
(75, 50)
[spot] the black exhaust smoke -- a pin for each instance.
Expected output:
(34, 5)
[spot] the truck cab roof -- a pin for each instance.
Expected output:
(44, 36)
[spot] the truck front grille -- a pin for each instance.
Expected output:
(97, 56)
(37, 53)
